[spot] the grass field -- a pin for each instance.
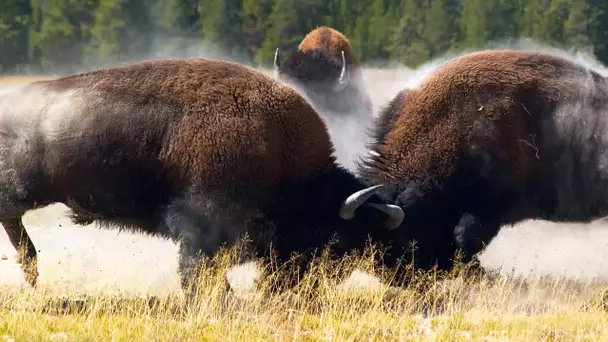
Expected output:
(450, 310)
(103, 285)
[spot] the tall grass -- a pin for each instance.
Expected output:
(331, 302)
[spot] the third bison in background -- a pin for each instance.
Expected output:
(326, 70)
(492, 138)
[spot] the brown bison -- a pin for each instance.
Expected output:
(326, 70)
(491, 138)
(199, 150)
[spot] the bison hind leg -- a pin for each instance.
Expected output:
(26, 251)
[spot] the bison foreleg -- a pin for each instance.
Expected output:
(472, 235)
(200, 239)
(193, 246)
(28, 257)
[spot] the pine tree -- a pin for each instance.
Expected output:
(407, 44)
(360, 37)
(137, 37)
(441, 26)
(105, 43)
(290, 20)
(353, 20)
(542, 20)
(179, 27)
(551, 27)
(576, 27)
(283, 33)
(256, 23)
(64, 30)
(377, 45)
(14, 34)
(122, 30)
(223, 28)
(598, 28)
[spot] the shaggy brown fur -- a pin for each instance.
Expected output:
(332, 42)
(203, 151)
(492, 138)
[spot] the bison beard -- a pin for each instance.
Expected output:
(490, 139)
(202, 151)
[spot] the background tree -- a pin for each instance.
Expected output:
(14, 34)
(178, 27)
(223, 28)
(64, 31)
(69, 35)
(121, 31)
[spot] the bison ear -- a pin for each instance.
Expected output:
(277, 64)
(344, 75)
(354, 201)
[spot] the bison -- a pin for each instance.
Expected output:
(326, 71)
(491, 138)
(202, 151)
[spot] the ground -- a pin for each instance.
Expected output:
(105, 265)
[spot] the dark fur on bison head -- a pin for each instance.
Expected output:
(202, 151)
(491, 138)
(314, 70)
(327, 72)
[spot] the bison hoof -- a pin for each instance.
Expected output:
(31, 278)
(30, 271)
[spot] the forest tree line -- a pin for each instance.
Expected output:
(67, 35)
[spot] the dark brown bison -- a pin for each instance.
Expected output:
(491, 138)
(326, 70)
(199, 150)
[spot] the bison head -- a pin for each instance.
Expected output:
(423, 230)
(313, 70)
(394, 213)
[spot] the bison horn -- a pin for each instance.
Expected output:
(355, 200)
(344, 74)
(277, 64)
(394, 212)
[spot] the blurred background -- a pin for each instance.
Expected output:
(58, 36)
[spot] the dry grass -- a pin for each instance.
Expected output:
(103, 285)
(322, 307)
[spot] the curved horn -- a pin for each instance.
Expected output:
(394, 212)
(344, 74)
(277, 64)
(355, 200)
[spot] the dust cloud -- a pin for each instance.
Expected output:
(89, 259)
